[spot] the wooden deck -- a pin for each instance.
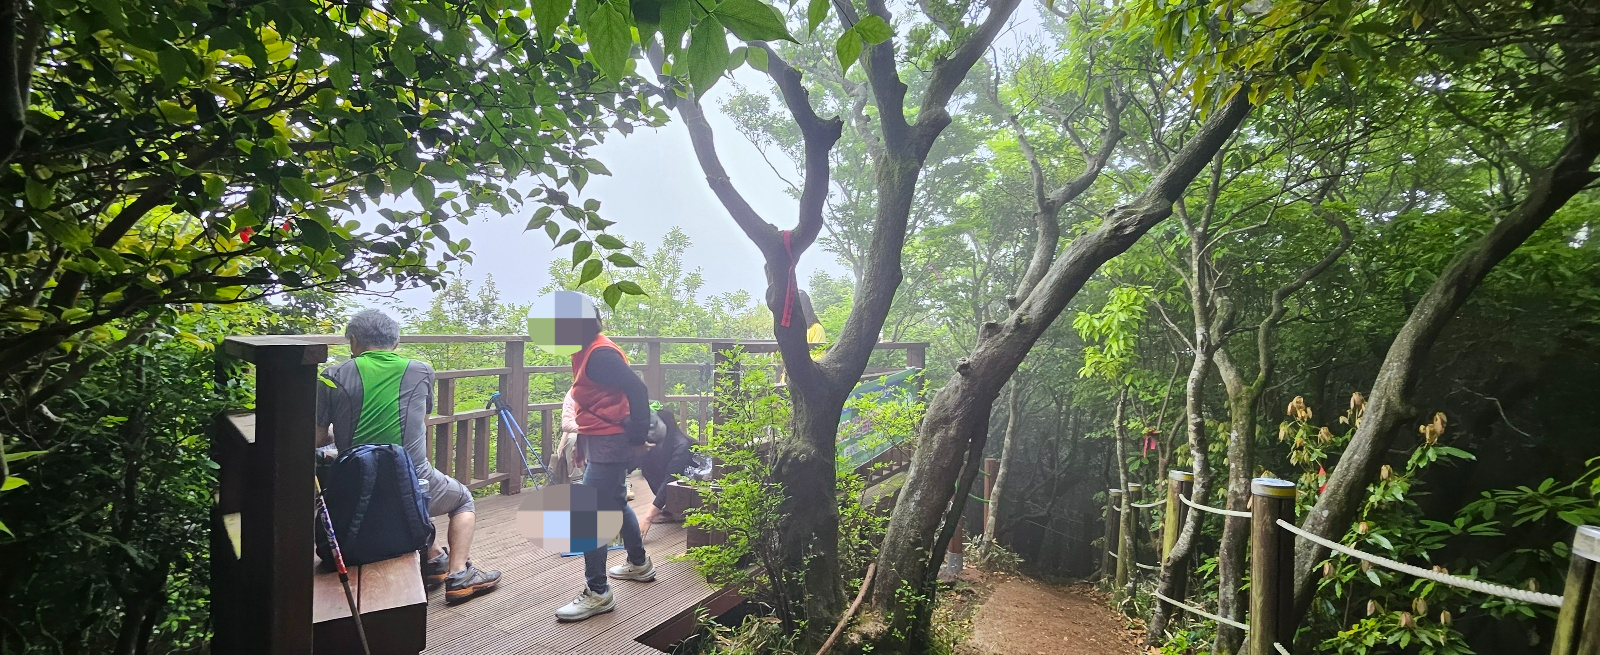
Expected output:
(519, 616)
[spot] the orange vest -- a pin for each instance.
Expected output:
(601, 409)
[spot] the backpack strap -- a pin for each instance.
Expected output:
(369, 480)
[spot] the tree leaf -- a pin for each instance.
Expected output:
(12, 483)
(40, 194)
(591, 270)
(581, 251)
(752, 20)
(621, 261)
(612, 294)
(816, 12)
(609, 242)
(17, 457)
(707, 55)
(872, 29)
(549, 15)
(630, 287)
(847, 49)
(757, 58)
(675, 19)
(610, 40)
(568, 237)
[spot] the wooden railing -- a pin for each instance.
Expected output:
(461, 436)
(262, 595)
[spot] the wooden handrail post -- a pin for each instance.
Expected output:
(444, 404)
(1127, 533)
(269, 610)
(1271, 566)
(1108, 566)
(655, 377)
(991, 468)
(1578, 627)
(514, 388)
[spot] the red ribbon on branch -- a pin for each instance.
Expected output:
(792, 285)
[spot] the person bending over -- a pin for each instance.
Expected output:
(612, 413)
(665, 461)
(381, 397)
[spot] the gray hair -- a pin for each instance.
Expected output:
(373, 329)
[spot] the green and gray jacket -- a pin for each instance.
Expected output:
(379, 397)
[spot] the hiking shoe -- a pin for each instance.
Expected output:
(434, 570)
(587, 604)
(629, 571)
(468, 583)
(664, 516)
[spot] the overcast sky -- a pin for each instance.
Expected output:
(656, 185)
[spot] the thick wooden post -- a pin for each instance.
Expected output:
(1179, 483)
(991, 468)
(1108, 564)
(1578, 627)
(514, 388)
(1127, 534)
(272, 600)
(1271, 566)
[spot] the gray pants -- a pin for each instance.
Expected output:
(446, 495)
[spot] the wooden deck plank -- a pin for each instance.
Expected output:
(518, 618)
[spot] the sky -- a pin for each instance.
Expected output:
(656, 184)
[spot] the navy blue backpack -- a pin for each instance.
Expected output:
(378, 510)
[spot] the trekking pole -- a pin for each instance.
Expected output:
(518, 435)
(338, 563)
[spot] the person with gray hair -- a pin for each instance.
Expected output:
(381, 397)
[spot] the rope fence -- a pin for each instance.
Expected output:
(1273, 535)
(1492, 589)
(1200, 612)
(1214, 510)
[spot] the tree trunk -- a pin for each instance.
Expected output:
(806, 468)
(1388, 404)
(1194, 401)
(1006, 452)
(961, 409)
(1231, 600)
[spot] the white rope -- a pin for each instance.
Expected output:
(1146, 567)
(1158, 503)
(1520, 595)
(1213, 510)
(1281, 649)
(1195, 610)
(1113, 554)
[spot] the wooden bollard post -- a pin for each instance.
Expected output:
(1578, 627)
(991, 468)
(1127, 536)
(1179, 483)
(1108, 564)
(1271, 565)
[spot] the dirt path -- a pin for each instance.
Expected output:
(1025, 617)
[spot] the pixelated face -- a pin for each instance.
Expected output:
(563, 322)
(569, 518)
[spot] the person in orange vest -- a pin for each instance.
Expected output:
(612, 415)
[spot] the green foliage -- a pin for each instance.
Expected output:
(112, 532)
(744, 502)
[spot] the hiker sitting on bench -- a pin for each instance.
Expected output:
(378, 397)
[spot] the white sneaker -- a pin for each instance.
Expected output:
(638, 572)
(587, 604)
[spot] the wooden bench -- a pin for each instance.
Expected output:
(394, 608)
